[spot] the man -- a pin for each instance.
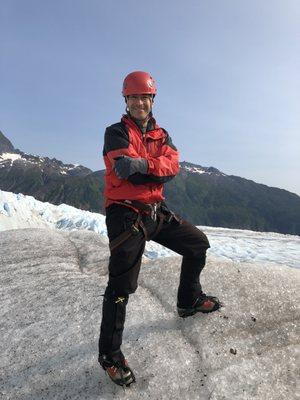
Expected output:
(140, 157)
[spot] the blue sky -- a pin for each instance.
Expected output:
(227, 74)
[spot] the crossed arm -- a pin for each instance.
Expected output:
(128, 164)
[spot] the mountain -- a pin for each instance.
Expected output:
(5, 145)
(207, 196)
(202, 195)
(49, 179)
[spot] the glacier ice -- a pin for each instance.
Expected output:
(51, 287)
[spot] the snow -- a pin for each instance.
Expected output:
(13, 157)
(33, 160)
(73, 166)
(245, 246)
(199, 170)
(195, 170)
(51, 286)
(10, 156)
(19, 211)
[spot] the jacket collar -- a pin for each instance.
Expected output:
(151, 125)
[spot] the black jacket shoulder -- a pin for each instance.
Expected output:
(116, 137)
(118, 127)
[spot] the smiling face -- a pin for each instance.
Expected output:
(139, 105)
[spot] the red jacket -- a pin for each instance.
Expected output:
(125, 138)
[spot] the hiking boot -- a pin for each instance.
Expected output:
(117, 368)
(204, 304)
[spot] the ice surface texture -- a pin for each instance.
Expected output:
(51, 286)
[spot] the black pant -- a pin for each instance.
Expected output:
(125, 261)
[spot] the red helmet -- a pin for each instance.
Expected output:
(138, 82)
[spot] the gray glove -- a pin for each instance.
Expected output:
(126, 166)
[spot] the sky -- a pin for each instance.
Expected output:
(227, 74)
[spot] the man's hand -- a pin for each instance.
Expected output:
(126, 166)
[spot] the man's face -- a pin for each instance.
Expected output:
(139, 105)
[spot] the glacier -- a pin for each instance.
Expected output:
(53, 271)
(21, 211)
(52, 283)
